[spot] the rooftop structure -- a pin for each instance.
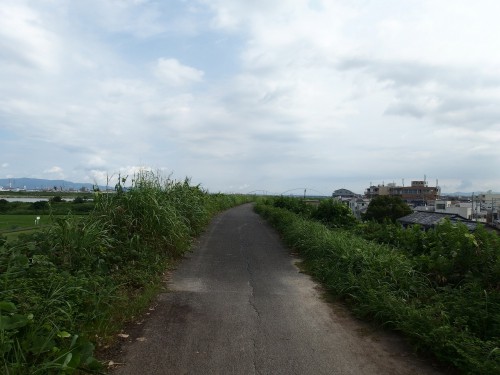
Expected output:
(430, 219)
(343, 193)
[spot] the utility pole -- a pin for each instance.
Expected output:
(473, 211)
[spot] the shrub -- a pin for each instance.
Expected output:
(40, 205)
(386, 207)
(297, 205)
(334, 214)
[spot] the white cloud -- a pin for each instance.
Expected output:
(25, 39)
(54, 169)
(172, 72)
(322, 93)
(54, 172)
(5, 165)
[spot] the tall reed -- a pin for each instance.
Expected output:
(66, 287)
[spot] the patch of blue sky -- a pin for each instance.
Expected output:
(5, 133)
(182, 32)
(216, 54)
(316, 5)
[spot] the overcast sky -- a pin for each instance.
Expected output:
(253, 95)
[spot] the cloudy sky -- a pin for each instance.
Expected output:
(253, 95)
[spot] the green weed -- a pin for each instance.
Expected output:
(400, 285)
(71, 285)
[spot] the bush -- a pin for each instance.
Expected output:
(386, 207)
(78, 200)
(334, 214)
(297, 205)
(40, 205)
(56, 199)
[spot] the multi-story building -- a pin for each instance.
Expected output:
(358, 206)
(417, 192)
(488, 200)
(374, 191)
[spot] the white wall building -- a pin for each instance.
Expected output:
(358, 206)
(462, 209)
(488, 200)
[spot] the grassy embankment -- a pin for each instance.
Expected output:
(72, 285)
(441, 288)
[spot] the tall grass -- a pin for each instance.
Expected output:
(66, 288)
(459, 324)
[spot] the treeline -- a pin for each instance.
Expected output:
(441, 288)
(56, 205)
(69, 287)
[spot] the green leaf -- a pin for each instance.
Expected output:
(8, 307)
(67, 360)
(6, 346)
(93, 364)
(13, 322)
(40, 344)
(63, 334)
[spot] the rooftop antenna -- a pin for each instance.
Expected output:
(403, 182)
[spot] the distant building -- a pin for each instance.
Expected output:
(344, 193)
(374, 191)
(462, 209)
(428, 220)
(359, 206)
(417, 193)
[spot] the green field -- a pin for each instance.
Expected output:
(9, 223)
(11, 226)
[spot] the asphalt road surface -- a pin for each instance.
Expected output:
(238, 305)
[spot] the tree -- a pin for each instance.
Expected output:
(78, 200)
(40, 205)
(335, 214)
(56, 199)
(386, 207)
(4, 205)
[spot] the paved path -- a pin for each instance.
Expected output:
(238, 305)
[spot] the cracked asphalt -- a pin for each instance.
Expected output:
(238, 305)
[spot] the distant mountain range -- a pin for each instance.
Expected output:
(41, 184)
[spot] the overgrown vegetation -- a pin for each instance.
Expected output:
(55, 205)
(440, 288)
(67, 287)
(384, 208)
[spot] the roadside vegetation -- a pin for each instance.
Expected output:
(440, 288)
(70, 286)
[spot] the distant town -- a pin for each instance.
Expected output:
(428, 204)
